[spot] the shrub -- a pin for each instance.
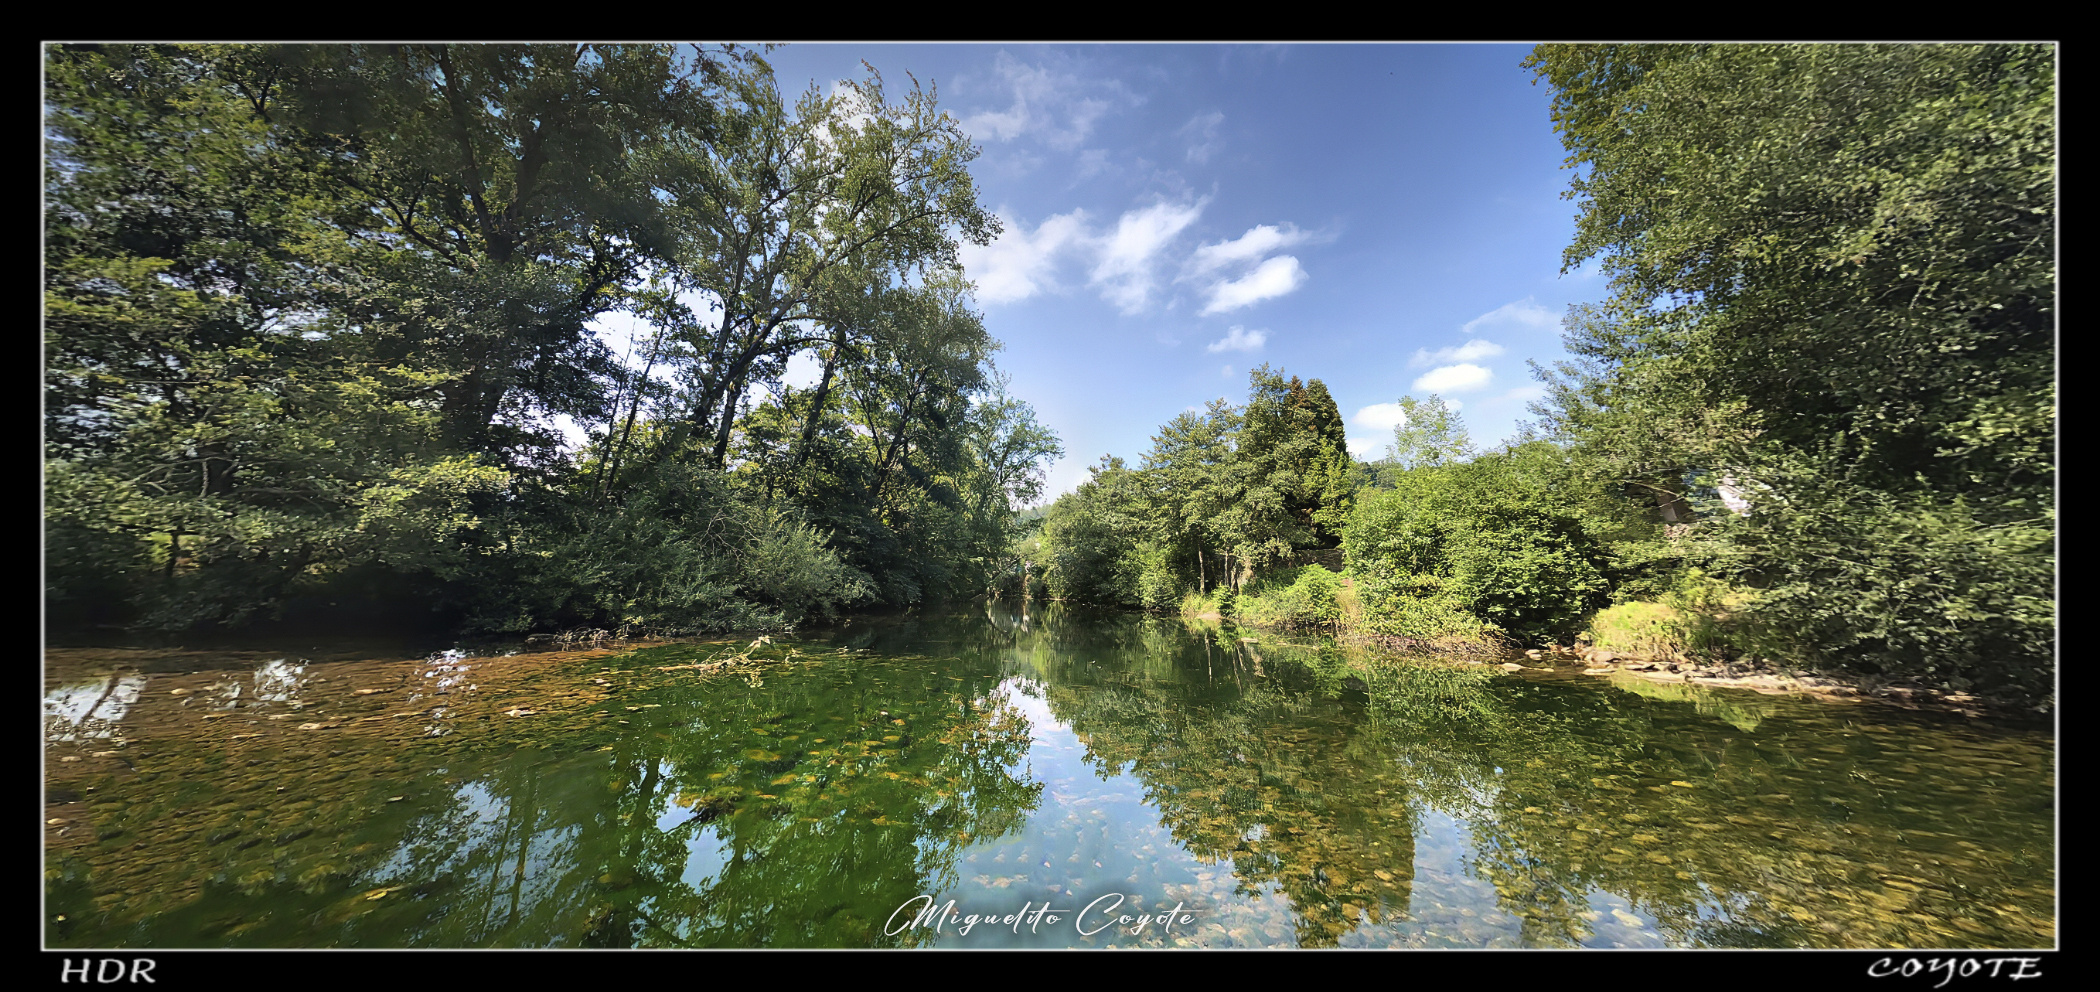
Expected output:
(1156, 586)
(1506, 541)
(686, 553)
(1699, 613)
(1638, 628)
(1905, 584)
(1419, 608)
(1294, 597)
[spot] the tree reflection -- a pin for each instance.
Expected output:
(1256, 772)
(1721, 826)
(794, 809)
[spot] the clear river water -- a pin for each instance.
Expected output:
(989, 779)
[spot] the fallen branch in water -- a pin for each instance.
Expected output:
(719, 663)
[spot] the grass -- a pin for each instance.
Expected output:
(1699, 615)
(1640, 628)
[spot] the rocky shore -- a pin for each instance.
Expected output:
(1763, 676)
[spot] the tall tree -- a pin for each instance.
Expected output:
(313, 312)
(792, 218)
(1293, 457)
(1193, 483)
(1834, 275)
(519, 192)
(1858, 237)
(200, 401)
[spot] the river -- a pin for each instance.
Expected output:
(988, 779)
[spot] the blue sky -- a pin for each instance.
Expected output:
(1385, 218)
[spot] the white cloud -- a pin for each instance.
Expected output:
(1124, 263)
(1225, 372)
(1256, 243)
(1380, 417)
(1361, 446)
(1467, 352)
(1453, 379)
(1128, 256)
(1260, 275)
(1240, 339)
(993, 125)
(1050, 102)
(1202, 132)
(1021, 264)
(1272, 278)
(1522, 313)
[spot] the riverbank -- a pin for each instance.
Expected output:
(1755, 674)
(1761, 675)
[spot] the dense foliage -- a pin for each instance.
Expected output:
(319, 321)
(1509, 539)
(316, 315)
(1834, 285)
(1232, 507)
(1219, 494)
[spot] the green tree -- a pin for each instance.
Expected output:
(1218, 494)
(1192, 484)
(1291, 459)
(1430, 434)
(792, 219)
(908, 449)
(312, 313)
(202, 400)
(1009, 453)
(1834, 279)
(518, 192)
(1090, 537)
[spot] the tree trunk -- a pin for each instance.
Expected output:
(719, 458)
(816, 412)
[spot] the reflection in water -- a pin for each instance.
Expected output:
(89, 709)
(278, 681)
(1281, 794)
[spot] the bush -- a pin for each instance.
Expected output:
(1157, 588)
(1418, 608)
(1906, 585)
(1639, 628)
(687, 553)
(1506, 541)
(1294, 597)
